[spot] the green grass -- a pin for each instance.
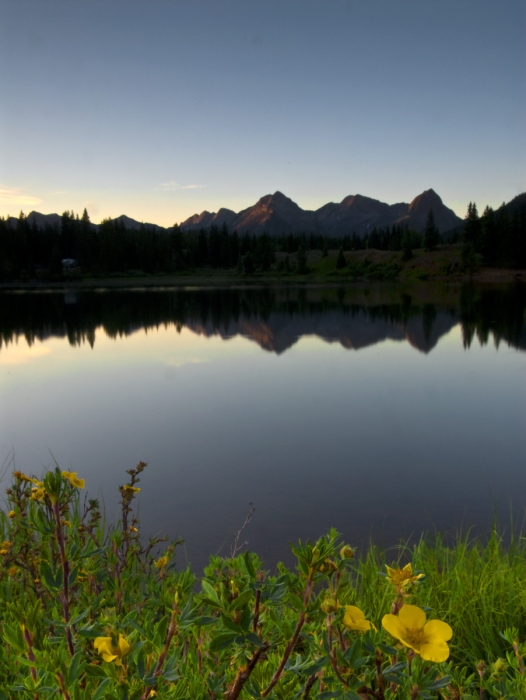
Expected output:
(478, 587)
(72, 585)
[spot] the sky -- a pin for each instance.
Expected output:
(159, 109)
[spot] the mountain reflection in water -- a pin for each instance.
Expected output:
(274, 318)
(233, 411)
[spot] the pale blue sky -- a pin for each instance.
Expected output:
(163, 108)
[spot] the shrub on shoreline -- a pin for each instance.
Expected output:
(87, 611)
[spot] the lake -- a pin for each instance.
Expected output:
(382, 411)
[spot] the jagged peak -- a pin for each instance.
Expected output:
(427, 198)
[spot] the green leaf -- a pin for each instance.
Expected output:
(95, 671)
(241, 600)
(254, 639)
(141, 664)
(80, 617)
(203, 621)
(222, 641)
(99, 693)
(13, 636)
(151, 680)
(231, 625)
(51, 579)
(170, 676)
(92, 553)
(210, 593)
(75, 668)
(247, 561)
(160, 632)
(91, 631)
(73, 575)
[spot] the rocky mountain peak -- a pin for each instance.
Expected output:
(429, 199)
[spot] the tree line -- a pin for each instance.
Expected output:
(497, 238)
(483, 313)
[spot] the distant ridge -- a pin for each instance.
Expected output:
(277, 214)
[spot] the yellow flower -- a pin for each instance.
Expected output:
(3, 552)
(133, 529)
(347, 552)
(162, 562)
(104, 646)
(11, 514)
(12, 571)
(29, 479)
(402, 577)
(38, 494)
(133, 489)
(74, 480)
(425, 638)
(354, 619)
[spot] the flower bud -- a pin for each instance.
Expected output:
(347, 552)
(327, 565)
(330, 605)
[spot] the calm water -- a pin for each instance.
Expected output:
(378, 410)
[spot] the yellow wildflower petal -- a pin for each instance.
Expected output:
(437, 651)
(109, 657)
(102, 644)
(436, 629)
(412, 616)
(354, 619)
(393, 625)
(124, 647)
(74, 480)
(11, 514)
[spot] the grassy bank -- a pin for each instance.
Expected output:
(442, 265)
(92, 610)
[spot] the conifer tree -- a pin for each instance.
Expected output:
(302, 260)
(341, 262)
(431, 235)
(407, 246)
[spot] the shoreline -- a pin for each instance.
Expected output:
(490, 276)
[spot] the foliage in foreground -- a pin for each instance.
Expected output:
(88, 612)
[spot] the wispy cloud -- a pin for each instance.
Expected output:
(169, 186)
(172, 185)
(17, 197)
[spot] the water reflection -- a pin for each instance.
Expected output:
(275, 318)
(407, 433)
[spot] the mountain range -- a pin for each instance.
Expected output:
(276, 214)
